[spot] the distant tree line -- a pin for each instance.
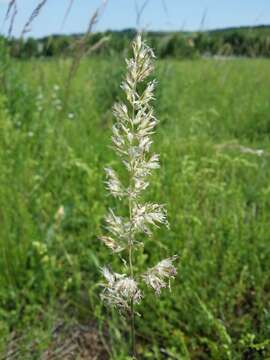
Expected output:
(248, 42)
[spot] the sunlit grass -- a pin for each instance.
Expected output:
(217, 199)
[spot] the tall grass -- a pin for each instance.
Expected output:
(132, 132)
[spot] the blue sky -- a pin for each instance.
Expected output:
(119, 14)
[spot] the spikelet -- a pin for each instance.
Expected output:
(120, 290)
(159, 276)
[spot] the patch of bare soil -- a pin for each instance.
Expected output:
(79, 342)
(68, 342)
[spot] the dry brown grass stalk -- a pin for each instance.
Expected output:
(11, 4)
(32, 17)
(70, 4)
(81, 49)
(11, 12)
(139, 12)
(98, 45)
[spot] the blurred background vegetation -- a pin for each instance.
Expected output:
(213, 138)
(242, 41)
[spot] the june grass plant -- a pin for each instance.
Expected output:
(135, 123)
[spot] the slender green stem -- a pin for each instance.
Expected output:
(132, 320)
(132, 315)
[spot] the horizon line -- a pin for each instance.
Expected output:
(133, 29)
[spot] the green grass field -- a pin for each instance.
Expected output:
(214, 117)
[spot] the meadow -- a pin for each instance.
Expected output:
(213, 140)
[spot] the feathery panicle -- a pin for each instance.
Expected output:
(134, 125)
